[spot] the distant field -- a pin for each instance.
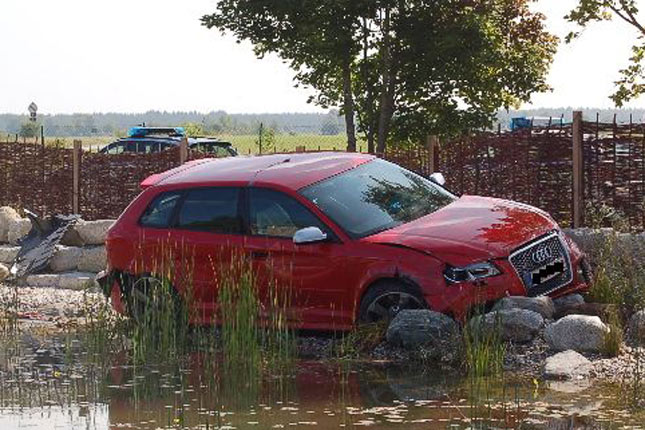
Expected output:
(245, 144)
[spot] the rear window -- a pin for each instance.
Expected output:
(159, 212)
(212, 210)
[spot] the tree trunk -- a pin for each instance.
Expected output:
(385, 102)
(348, 106)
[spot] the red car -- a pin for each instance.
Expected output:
(349, 237)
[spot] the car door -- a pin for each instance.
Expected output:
(207, 233)
(306, 278)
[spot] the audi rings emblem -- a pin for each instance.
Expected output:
(542, 255)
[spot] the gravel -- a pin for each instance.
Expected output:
(48, 304)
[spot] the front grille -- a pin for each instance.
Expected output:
(543, 265)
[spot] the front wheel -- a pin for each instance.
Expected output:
(152, 298)
(385, 300)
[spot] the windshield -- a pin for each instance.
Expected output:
(376, 196)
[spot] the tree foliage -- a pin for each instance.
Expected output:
(403, 68)
(631, 82)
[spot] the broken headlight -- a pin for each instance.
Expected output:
(472, 272)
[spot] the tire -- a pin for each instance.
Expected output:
(148, 295)
(385, 299)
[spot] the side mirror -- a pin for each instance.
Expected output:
(309, 235)
(438, 178)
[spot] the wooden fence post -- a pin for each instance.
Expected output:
(183, 150)
(76, 176)
(578, 173)
(432, 145)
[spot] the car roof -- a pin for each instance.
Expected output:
(292, 171)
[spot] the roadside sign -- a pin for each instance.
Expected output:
(32, 111)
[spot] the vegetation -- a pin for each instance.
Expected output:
(483, 349)
(403, 69)
(631, 83)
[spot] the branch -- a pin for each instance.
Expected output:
(630, 18)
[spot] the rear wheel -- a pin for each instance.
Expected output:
(383, 301)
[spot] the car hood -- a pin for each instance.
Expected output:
(470, 229)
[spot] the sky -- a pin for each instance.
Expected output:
(136, 55)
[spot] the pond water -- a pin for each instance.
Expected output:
(45, 386)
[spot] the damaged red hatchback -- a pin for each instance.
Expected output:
(349, 237)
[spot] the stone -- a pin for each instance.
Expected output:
(604, 311)
(637, 327)
(415, 328)
(4, 272)
(567, 365)
(581, 333)
(515, 325)
(92, 259)
(8, 216)
(72, 238)
(18, 229)
(69, 280)
(65, 259)
(8, 253)
(541, 305)
(93, 232)
(565, 302)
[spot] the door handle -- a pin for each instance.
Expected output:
(259, 255)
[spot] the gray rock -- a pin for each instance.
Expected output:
(416, 328)
(93, 232)
(69, 280)
(637, 327)
(580, 333)
(8, 253)
(567, 365)
(515, 325)
(7, 216)
(4, 272)
(566, 302)
(18, 229)
(92, 259)
(65, 259)
(541, 305)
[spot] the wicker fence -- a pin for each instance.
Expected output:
(534, 166)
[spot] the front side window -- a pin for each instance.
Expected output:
(159, 212)
(273, 213)
(376, 196)
(213, 210)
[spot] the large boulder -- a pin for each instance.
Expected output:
(637, 327)
(92, 259)
(566, 302)
(414, 328)
(567, 365)
(93, 232)
(18, 229)
(541, 305)
(515, 325)
(4, 272)
(69, 280)
(7, 217)
(65, 259)
(582, 333)
(8, 253)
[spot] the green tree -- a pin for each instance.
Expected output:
(631, 83)
(29, 129)
(402, 68)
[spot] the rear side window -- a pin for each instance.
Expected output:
(159, 212)
(212, 210)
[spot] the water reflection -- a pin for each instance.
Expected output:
(44, 387)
